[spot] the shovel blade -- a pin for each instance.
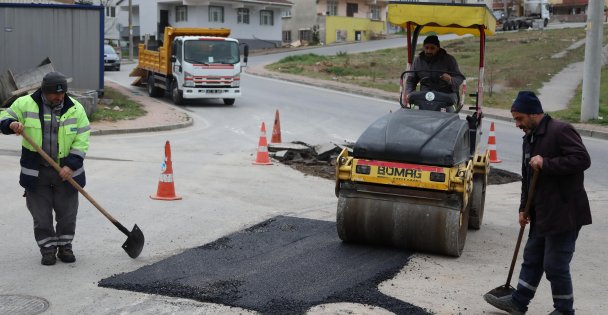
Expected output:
(501, 291)
(134, 243)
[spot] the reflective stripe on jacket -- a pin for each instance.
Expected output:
(72, 136)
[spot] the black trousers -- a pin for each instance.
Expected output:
(550, 255)
(52, 194)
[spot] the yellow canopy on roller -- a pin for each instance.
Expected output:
(443, 18)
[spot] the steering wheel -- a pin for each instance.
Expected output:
(435, 83)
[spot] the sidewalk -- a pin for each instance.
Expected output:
(159, 116)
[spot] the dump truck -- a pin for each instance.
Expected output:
(516, 14)
(193, 63)
(416, 178)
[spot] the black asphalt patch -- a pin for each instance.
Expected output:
(284, 265)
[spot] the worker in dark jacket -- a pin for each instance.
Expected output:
(560, 206)
(58, 124)
(438, 69)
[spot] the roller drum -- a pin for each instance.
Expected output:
(409, 222)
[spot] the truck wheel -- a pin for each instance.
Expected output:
(176, 95)
(153, 90)
(229, 101)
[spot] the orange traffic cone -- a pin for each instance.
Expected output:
(276, 130)
(166, 189)
(262, 157)
(492, 146)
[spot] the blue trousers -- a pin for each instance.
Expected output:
(550, 255)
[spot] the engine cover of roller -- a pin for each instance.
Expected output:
(456, 179)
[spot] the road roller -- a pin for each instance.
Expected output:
(416, 178)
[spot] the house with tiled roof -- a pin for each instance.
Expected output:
(254, 22)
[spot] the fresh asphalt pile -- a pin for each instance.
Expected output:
(284, 265)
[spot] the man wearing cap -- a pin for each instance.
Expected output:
(59, 125)
(559, 207)
(439, 67)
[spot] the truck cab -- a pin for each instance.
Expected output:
(206, 67)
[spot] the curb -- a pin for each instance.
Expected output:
(104, 132)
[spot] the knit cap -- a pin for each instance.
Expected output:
(527, 103)
(54, 82)
(432, 39)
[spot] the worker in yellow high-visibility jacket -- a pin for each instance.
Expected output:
(59, 125)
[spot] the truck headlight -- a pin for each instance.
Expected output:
(236, 82)
(188, 79)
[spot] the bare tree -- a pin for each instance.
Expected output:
(109, 23)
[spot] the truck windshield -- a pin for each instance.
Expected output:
(211, 51)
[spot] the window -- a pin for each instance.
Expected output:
(286, 13)
(242, 16)
(351, 9)
(181, 13)
(287, 36)
(305, 35)
(332, 7)
(111, 11)
(216, 14)
(375, 12)
(266, 17)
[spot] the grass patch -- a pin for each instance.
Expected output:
(514, 61)
(121, 107)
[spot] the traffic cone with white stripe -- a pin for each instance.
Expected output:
(262, 157)
(492, 146)
(276, 129)
(166, 188)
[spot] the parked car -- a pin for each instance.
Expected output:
(111, 60)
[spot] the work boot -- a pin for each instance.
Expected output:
(556, 312)
(505, 303)
(66, 255)
(48, 259)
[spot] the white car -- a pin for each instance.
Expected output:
(111, 60)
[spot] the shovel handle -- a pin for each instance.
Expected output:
(531, 191)
(56, 166)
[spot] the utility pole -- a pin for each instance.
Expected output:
(590, 103)
(130, 31)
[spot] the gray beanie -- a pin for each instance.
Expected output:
(54, 82)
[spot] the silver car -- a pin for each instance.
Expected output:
(111, 60)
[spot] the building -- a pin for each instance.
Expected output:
(561, 10)
(110, 25)
(330, 21)
(571, 10)
(254, 22)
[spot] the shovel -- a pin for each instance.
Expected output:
(507, 289)
(135, 239)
